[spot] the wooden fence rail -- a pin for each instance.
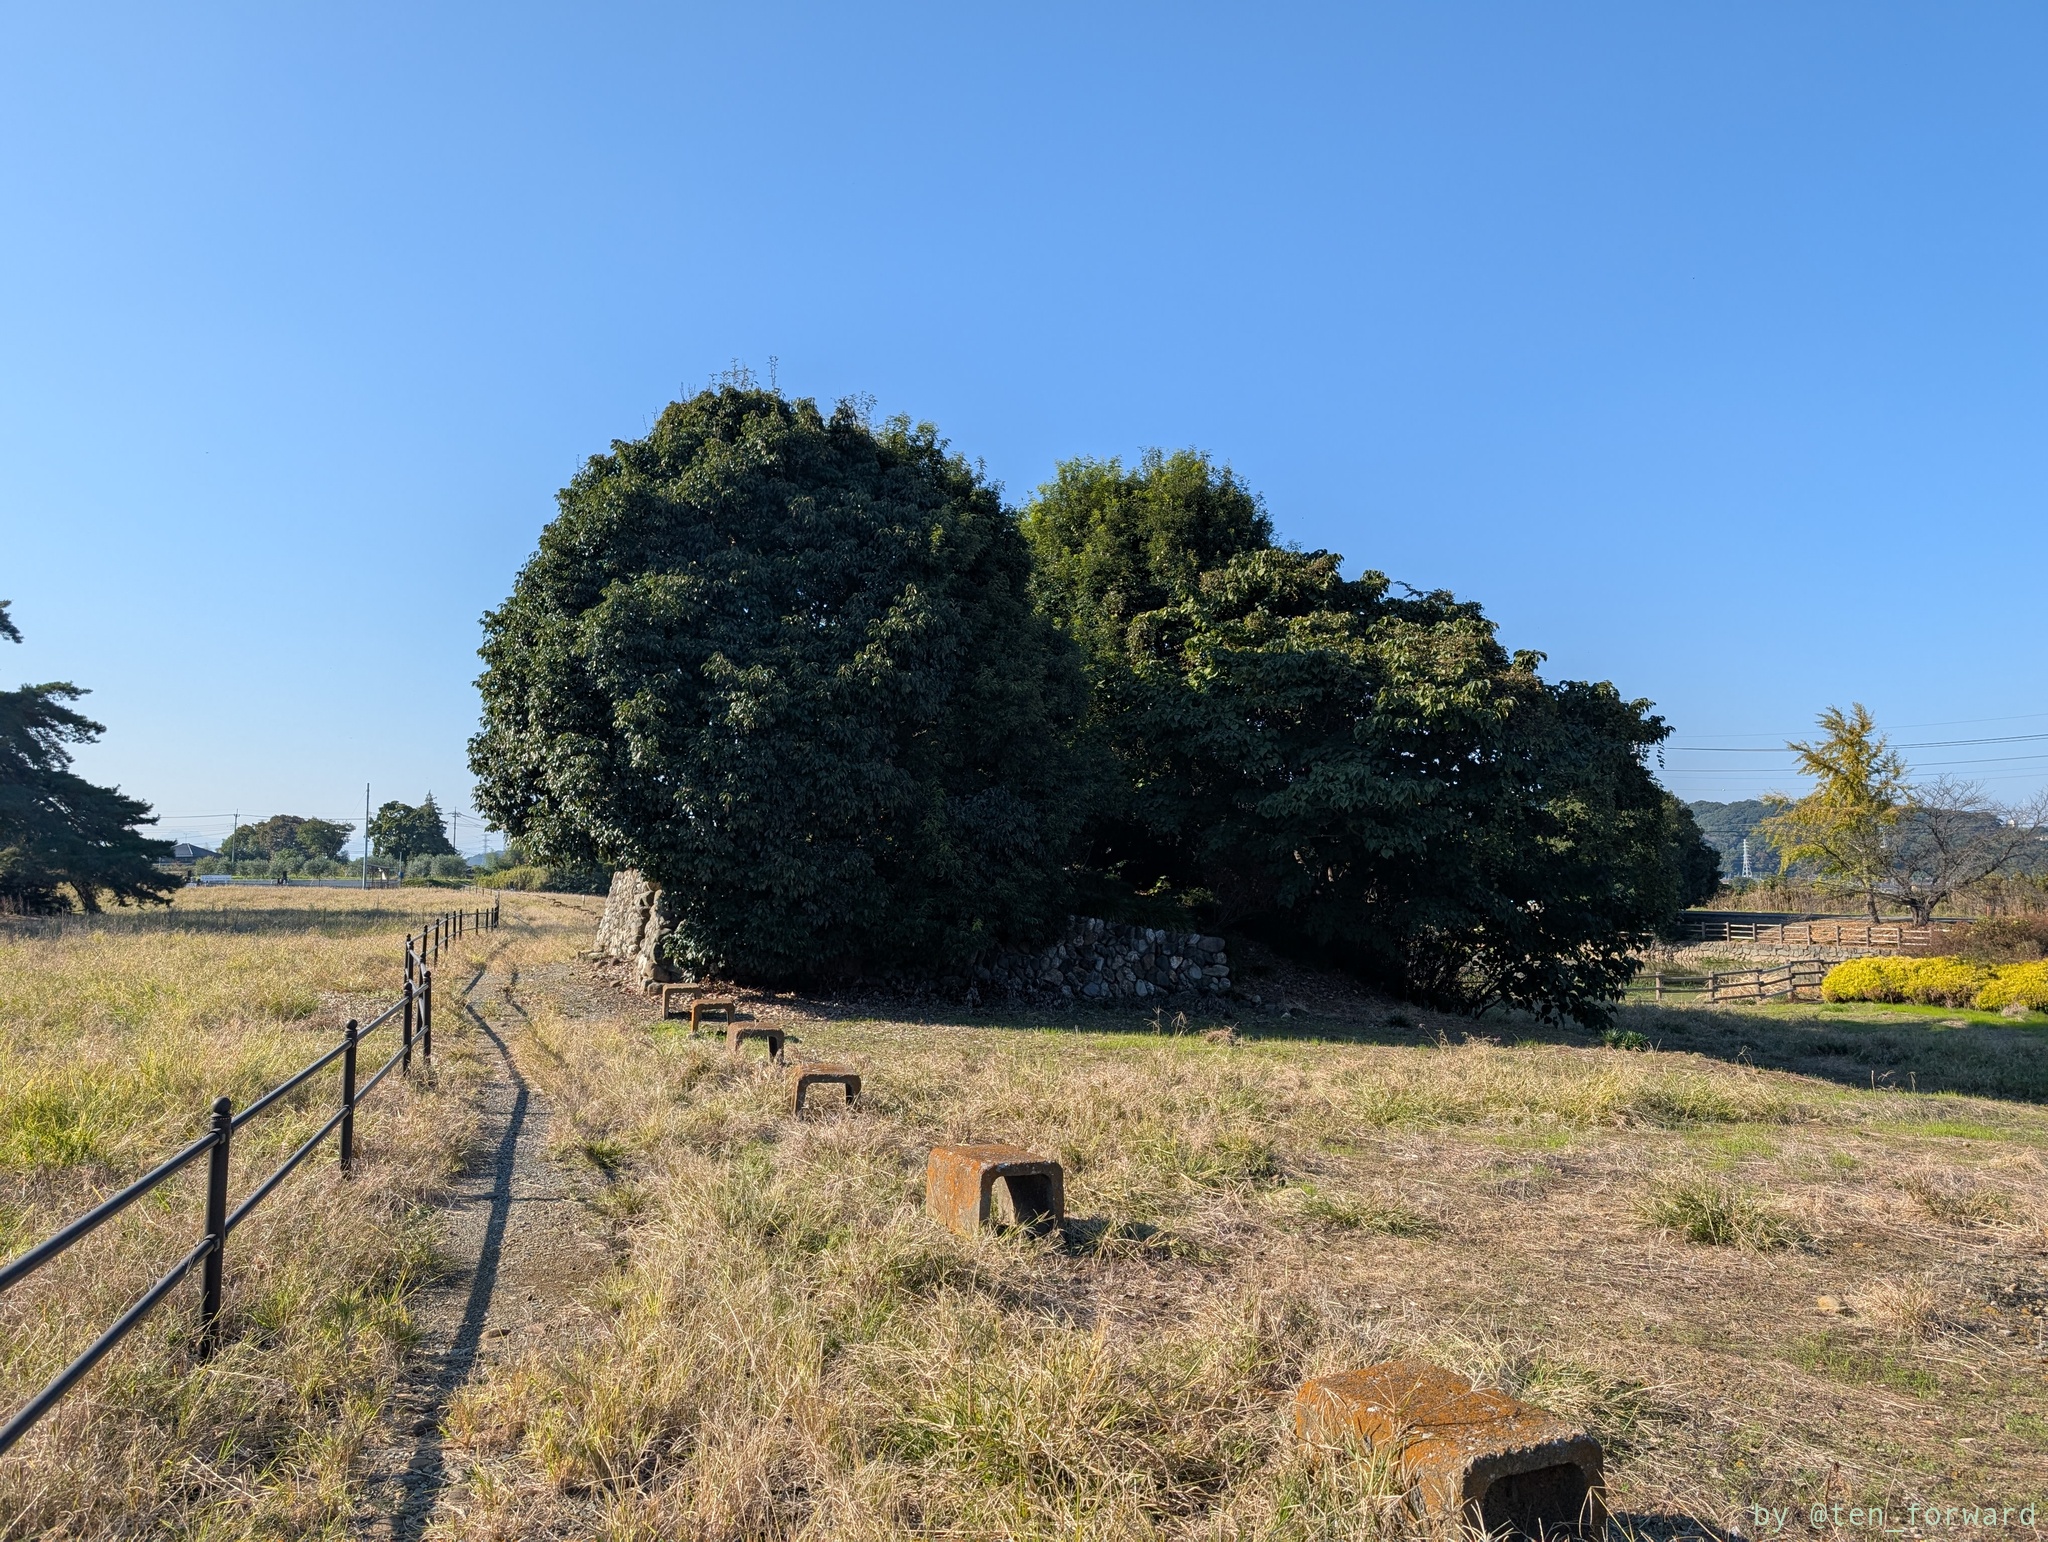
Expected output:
(1795, 981)
(1895, 936)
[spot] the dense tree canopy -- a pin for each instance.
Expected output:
(63, 840)
(786, 664)
(1362, 772)
(402, 831)
(287, 835)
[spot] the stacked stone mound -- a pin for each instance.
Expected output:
(1104, 961)
(637, 915)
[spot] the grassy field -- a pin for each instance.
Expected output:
(1758, 1287)
(115, 1035)
(1753, 1257)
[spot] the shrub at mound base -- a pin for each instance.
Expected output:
(1938, 982)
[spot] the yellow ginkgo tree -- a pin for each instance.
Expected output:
(1846, 828)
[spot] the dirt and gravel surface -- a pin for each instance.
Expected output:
(519, 1240)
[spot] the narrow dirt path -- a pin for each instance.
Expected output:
(518, 1239)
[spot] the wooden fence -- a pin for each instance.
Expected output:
(1798, 980)
(1879, 936)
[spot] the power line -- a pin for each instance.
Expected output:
(1920, 744)
(1982, 760)
(1954, 722)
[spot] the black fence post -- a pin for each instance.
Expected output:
(216, 1226)
(408, 1024)
(348, 1098)
(427, 1018)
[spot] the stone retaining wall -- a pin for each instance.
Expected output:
(1095, 960)
(1105, 961)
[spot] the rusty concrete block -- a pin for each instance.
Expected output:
(1481, 1458)
(737, 1032)
(806, 1074)
(673, 994)
(970, 1187)
(703, 1006)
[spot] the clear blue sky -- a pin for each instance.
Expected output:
(1706, 346)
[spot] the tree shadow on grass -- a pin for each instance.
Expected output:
(1869, 1051)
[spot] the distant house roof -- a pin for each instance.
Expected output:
(185, 851)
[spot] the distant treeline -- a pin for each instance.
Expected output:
(1727, 825)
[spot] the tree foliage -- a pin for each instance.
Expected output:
(59, 832)
(288, 835)
(1344, 768)
(1841, 828)
(1869, 830)
(786, 664)
(403, 831)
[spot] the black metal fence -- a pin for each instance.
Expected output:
(413, 1010)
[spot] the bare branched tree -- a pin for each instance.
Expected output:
(1949, 835)
(1869, 829)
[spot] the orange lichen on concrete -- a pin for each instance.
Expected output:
(970, 1187)
(1482, 1458)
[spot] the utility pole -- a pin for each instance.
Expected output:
(455, 830)
(366, 835)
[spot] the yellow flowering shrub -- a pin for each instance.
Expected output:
(2026, 984)
(1938, 982)
(1946, 982)
(1866, 979)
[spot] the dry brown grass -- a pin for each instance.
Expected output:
(794, 1350)
(113, 1039)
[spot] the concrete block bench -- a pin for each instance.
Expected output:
(1470, 1458)
(703, 1007)
(737, 1033)
(806, 1074)
(972, 1187)
(673, 997)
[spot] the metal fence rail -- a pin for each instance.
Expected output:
(413, 1010)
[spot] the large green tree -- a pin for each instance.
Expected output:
(290, 835)
(1343, 768)
(786, 664)
(64, 841)
(402, 831)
